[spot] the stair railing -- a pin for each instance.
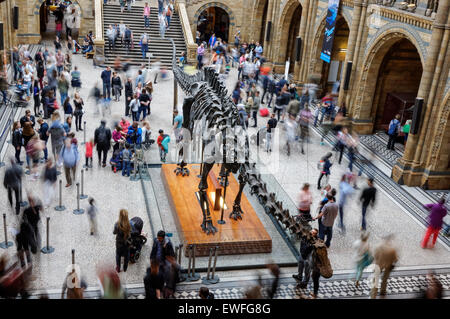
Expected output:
(191, 46)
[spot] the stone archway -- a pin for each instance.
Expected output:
(362, 108)
(284, 23)
(231, 16)
(34, 13)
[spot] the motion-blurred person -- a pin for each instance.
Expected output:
(172, 278)
(291, 129)
(385, 258)
(122, 230)
(367, 197)
(345, 190)
(111, 288)
(69, 158)
(435, 221)
(271, 125)
(433, 289)
(275, 272)
(304, 203)
(204, 293)
(50, 177)
(304, 262)
(57, 134)
(26, 242)
(33, 215)
(92, 212)
(12, 181)
(362, 255)
(17, 140)
(73, 285)
(153, 281)
(305, 117)
(324, 167)
(13, 279)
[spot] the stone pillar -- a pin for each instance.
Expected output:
(407, 170)
(266, 44)
(354, 30)
(302, 34)
(275, 9)
(357, 56)
(307, 53)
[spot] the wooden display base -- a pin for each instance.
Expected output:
(246, 236)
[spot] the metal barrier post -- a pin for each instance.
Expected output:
(82, 196)
(79, 210)
(205, 280)
(60, 207)
(194, 276)
(214, 279)
(47, 249)
(84, 133)
(6, 243)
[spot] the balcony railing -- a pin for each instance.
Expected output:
(410, 6)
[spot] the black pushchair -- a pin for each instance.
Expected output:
(137, 239)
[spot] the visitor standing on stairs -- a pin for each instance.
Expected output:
(162, 24)
(129, 3)
(128, 38)
(111, 34)
(146, 16)
(144, 45)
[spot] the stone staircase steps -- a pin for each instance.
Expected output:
(159, 48)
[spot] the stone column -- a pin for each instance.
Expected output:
(302, 33)
(354, 30)
(275, 9)
(269, 18)
(357, 55)
(307, 53)
(403, 171)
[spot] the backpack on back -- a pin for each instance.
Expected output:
(102, 138)
(393, 127)
(321, 165)
(322, 260)
(127, 34)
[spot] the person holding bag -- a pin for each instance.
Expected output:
(78, 102)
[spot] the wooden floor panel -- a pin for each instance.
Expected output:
(244, 236)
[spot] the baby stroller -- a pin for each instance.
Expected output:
(137, 239)
(20, 91)
(148, 141)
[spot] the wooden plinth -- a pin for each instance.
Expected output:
(246, 236)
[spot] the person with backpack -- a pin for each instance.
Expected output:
(320, 265)
(271, 125)
(102, 139)
(393, 130)
(153, 281)
(144, 45)
(324, 166)
(127, 38)
(385, 258)
(163, 143)
(305, 259)
(168, 15)
(69, 158)
(327, 215)
(161, 249)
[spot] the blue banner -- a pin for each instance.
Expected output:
(325, 54)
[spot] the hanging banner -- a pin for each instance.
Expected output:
(325, 54)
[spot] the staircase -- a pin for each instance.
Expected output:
(159, 48)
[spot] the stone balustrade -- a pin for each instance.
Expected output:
(191, 46)
(402, 16)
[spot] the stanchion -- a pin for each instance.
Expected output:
(79, 210)
(214, 279)
(180, 252)
(60, 207)
(73, 256)
(205, 280)
(134, 177)
(23, 203)
(82, 196)
(84, 133)
(48, 249)
(192, 276)
(6, 243)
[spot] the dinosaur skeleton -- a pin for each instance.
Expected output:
(209, 112)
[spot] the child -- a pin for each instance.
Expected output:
(163, 143)
(126, 160)
(92, 214)
(88, 153)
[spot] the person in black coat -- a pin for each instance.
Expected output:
(102, 138)
(32, 215)
(304, 262)
(128, 95)
(153, 281)
(25, 241)
(12, 181)
(17, 140)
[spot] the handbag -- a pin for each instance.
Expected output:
(55, 105)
